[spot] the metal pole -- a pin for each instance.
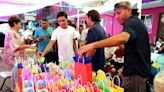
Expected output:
(139, 6)
(78, 19)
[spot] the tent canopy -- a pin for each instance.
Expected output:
(12, 7)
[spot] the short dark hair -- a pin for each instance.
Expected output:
(73, 25)
(60, 14)
(12, 20)
(69, 22)
(94, 15)
(80, 25)
(44, 19)
(135, 12)
(56, 23)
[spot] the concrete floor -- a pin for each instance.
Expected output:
(4, 89)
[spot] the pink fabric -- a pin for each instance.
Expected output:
(12, 42)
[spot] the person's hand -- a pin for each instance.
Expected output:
(81, 44)
(39, 54)
(33, 47)
(85, 49)
(160, 49)
(49, 36)
(41, 38)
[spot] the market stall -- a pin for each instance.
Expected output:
(33, 76)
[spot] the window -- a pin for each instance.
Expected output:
(147, 19)
(103, 23)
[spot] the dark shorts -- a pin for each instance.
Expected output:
(51, 57)
(134, 83)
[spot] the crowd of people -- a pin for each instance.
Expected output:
(129, 50)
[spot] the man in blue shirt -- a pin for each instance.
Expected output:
(43, 36)
(95, 33)
(137, 48)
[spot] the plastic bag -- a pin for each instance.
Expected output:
(83, 68)
(159, 82)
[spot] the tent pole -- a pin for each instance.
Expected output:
(139, 6)
(78, 19)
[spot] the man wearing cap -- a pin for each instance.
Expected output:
(137, 49)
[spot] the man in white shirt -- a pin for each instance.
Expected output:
(65, 37)
(83, 35)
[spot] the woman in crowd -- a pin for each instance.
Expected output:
(159, 43)
(13, 46)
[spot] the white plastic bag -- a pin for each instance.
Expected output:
(159, 82)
